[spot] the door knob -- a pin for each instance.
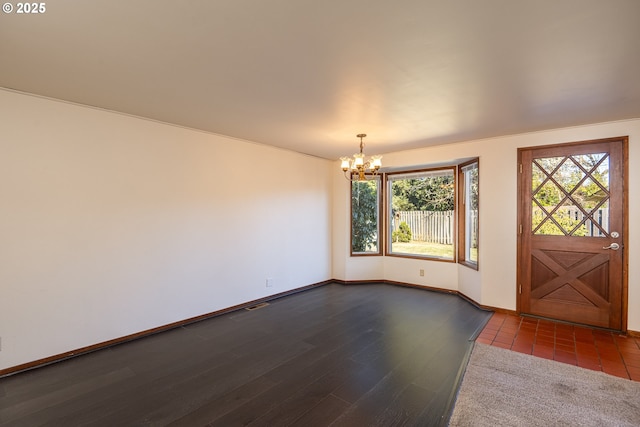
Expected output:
(613, 246)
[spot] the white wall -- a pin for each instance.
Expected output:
(111, 225)
(495, 282)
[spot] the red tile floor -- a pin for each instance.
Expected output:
(594, 349)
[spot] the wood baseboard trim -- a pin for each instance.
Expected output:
(501, 310)
(427, 288)
(630, 333)
(89, 349)
(394, 283)
(358, 282)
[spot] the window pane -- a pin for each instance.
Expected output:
(470, 177)
(422, 214)
(570, 195)
(365, 226)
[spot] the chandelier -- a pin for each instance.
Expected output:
(356, 169)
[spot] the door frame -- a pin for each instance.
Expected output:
(625, 221)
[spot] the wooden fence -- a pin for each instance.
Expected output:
(571, 216)
(428, 226)
(438, 227)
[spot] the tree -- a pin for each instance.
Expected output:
(473, 188)
(428, 193)
(364, 216)
(570, 187)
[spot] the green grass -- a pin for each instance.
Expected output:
(474, 254)
(423, 248)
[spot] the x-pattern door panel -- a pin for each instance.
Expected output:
(572, 223)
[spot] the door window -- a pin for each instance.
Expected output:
(570, 195)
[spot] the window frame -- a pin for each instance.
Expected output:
(380, 218)
(388, 196)
(462, 215)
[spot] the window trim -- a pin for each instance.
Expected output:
(462, 259)
(387, 214)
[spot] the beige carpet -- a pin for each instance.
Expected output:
(505, 388)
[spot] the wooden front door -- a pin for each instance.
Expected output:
(572, 232)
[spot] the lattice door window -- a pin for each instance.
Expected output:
(570, 195)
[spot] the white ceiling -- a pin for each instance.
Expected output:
(308, 75)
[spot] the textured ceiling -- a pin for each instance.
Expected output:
(309, 75)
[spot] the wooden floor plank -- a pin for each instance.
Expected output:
(323, 414)
(407, 406)
(305, 399)
(334, 355)
(226, 403)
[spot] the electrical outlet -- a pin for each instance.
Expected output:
(269, 282)
(421, 272)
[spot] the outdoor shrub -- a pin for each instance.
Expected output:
(403, 234)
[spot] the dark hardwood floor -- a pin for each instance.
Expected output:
(361, 355)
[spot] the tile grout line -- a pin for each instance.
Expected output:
(572, 337)
(624, 362)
